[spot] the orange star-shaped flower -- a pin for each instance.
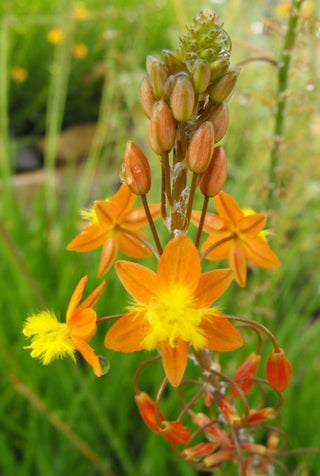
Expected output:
(170, 308)
(115, 226)
(239, 237)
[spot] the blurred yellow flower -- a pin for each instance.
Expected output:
(19, 74)
(80, 12)
(307, 8)
(55, 36)
(79, 50)
(283, 9)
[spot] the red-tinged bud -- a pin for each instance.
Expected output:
(201, 75)
(232, 417)
(159, 76)
(208, 398)
(162, 128)
(217, 458)
(218, 68)
(224, 87)
(267, 413)
(149, 62)
(278, 370)
(200, 450)
(137, 173)
(173, 62)
(182, 99)
(247, 369)
(254, 448)
(175, 432)
(146, 408)
(215, 176)
(201, 148)
(221, 122)
(147, 96)
(212, 430)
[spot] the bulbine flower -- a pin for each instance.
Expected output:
(171, 308)
(240, 237)
(51, 339)
(115, 225)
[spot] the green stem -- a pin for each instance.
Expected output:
(202, 218)
(151, 223)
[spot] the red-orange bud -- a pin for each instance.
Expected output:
(147, 96)
(175, 432)
(146, 408)
(224, 87)
(200, 450)
(212, 430)
(248, 368)
(278, 370)
(218, 457)
(201, 75)
(266, 413)
(182, 99)
(229, 412)
(137, 173)
(162, 128)
(201, 148)
(215, 176)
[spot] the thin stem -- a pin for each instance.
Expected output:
(190, 403)
(138, 370)
(151, 223)
(258, 335)
(258, 58)
(215, 245)
(145, 242)
(166, 172)
(191, 198)
(202, 218)
(242, 469)
(163, 194)
(109, 318)
(158, 400)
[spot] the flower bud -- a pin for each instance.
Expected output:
(149, 62)
(208, 398)
(162, 128)
(248, 369)
(221, 122)
(182, 99)
(147, 96)
(218, 68)
(173, 62)
(201, 75)
(217, 457)
(232, 417)
(224, 87)
(137, 173)
(159, 76)
(201, 148)
(278, 370)
(146, 408)
(197, 451)
(215, 176)
(175, 432)
(266, 413)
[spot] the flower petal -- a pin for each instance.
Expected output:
(93, 298)
(122, 201)
(211, 285)
(132, 246)
(83, 323)
(227, 207)
(259, 252)
(212, 223)
(139, 281)
(137, 217)
(237, 261)
(88, 354)
(128, 333)
(174, 360)
(221, 251)
(90, 238)
(251, 225)
(105, 213)
(76, 296)
(221, 335)
(179, 264)
(108, 255)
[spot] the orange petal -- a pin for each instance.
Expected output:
(221, 335)
(90, 238)
(83, 323)
(122, 201)
(132, 246)
(179, 264)
(137, 217)
(146, 408)
(212, 223)
(259, 252)
(227, 207)
(128, 333)
(104, 212)
(237, 261)
(88, 354)
(108, 255)
(76, 296)
(221, 251)
(251, 225)
(93, 298)
(175, 432)
(138, 280)
(174, 360)
(211, 285)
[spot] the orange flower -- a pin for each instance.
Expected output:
(115, 226)
(52, 339)
(278, 370)
(170, 308)
(241, 237)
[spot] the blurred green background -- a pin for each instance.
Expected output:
(69, 88)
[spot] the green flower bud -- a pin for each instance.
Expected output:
(182, 99)
(172, 62)
(201, 75)
(159, 76)
(218, 68)
(147, 96)
(224, 87)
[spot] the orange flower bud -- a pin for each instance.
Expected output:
(182, 98)
(278, 370)
(208, 398)
(221, 122)
(229, 412)
(248, 368)
(175, 432)
(173, 62)
(146, 408)
(215, 176)
(212, 430)
(159, 76)
(200, 450)
(254, 448)
(273, 440)
(147, 96)
(149, 62)
(162, 128)
(224, 87)
(137, 173)
(201, 148)
(267, 413)
(218, 68)
(201, 75)
(218, 457)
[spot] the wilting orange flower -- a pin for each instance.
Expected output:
(51, 339)
(170, 308)
(115, 226)
(240, 237)
(247, 369)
